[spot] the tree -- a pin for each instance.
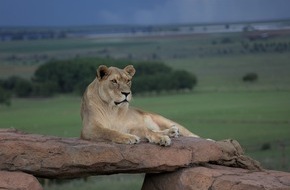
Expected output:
(23, 88)
(18, 86)
(66, 76)
(46, 89)
(5, 97)
(183, 80)
(75, 75)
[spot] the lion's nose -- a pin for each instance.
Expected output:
(125, 93)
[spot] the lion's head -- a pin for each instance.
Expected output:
(114, 85)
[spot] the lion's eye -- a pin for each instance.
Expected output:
(128, 81)
(114, 81)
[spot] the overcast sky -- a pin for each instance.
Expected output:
(149, 12)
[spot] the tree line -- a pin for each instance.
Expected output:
(73, 76)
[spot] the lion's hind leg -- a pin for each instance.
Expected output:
(158, 138)
(170, 126)
(172, 132)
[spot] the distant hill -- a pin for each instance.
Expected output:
(36, 33)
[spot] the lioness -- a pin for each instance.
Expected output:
(106, 114)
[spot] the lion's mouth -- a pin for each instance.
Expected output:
(124, 101)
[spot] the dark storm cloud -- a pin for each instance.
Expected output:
(87, 12)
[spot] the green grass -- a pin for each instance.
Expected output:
(40, 46)
(57, 116)
(112, 182)
(225, 73)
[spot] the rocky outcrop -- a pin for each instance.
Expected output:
(200, 164)
(54, 157)
(18, 181)
(213, 177)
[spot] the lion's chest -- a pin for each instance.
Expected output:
(125, 122)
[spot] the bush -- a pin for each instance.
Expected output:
(266, 146)
(45, 89)
(18, 86)
(183, 80)
(250, 77)
(23, 88)
(65, 76)
(75, 75)
(5, 97)
(10, 83)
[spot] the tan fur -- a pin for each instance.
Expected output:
(106, 114)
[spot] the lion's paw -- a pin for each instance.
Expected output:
(173, 131)
(131, 139)
(164, 140)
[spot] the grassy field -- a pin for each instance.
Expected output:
(58, 116)
(220, 107)
(225, 73)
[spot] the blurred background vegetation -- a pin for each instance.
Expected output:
(219, 85)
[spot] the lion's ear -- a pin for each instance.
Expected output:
(130, 70)
(102, 71)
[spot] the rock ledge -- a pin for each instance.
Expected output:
(189, 163)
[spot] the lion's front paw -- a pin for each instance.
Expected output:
(164, 140)
(133, 139)
(173, 131)
(130, 139)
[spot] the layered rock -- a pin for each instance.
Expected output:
(55, 157)
(215, 177)
(18, 181)
(189, 163)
